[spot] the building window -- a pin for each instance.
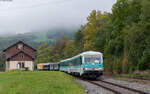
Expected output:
(20, 46)
(1, 65)
(21, 55)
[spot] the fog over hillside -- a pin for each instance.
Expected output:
(19, 16)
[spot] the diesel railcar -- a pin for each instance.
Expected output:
(43, 66)
(87, 64)
(54, 66)
(48, 66)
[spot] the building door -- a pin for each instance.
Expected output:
(19, 65)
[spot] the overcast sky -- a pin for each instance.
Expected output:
(30, 15)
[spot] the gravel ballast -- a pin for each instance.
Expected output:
(134, 85)
(93, 89)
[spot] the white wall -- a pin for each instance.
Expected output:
(13, 65)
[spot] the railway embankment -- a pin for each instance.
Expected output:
(136, 84)
(138, 75)
(108, 85)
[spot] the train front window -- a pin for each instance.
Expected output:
(92, 59)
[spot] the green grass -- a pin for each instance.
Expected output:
(38, 82)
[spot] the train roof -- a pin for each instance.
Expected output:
(82, 54)
(90, 53)
(48, 63)
(43, 63)
(54, 63)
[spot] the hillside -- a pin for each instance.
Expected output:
(36, 38)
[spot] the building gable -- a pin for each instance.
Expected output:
(21, 56)
(18, 47)
(19, 42)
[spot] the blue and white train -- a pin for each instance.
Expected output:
(87, 64)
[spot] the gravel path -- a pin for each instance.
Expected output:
(93, 89)
(142, 87)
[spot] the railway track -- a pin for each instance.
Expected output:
(116, 88)
(136, 78)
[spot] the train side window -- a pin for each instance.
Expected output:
(76, 61)
(73, 62)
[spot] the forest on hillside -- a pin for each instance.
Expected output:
(35, 39)
(123, 36)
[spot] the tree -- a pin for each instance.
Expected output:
(79, 40)
(90, 30)
(70, 50)
(104, 29)
(43, 53)
(2, 61)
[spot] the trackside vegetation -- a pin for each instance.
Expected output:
(123, 36)
(38, 82)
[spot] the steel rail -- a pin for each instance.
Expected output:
(138, 78)
(112, 90)
(125, 87)
(113, 84)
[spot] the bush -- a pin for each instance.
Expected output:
(117, 66)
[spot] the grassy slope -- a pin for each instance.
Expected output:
(38, 83)
(41, 37)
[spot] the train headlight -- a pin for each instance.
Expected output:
(93, 63)
(86, 68)
(100, 68)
